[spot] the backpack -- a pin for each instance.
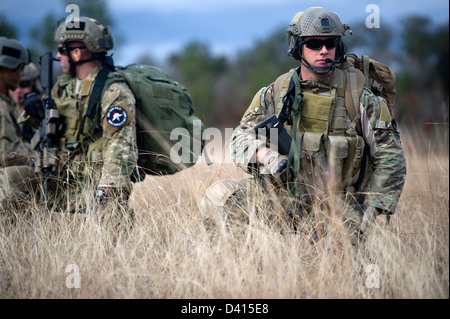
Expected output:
(163, 105)
(164, 109)
(376, 76)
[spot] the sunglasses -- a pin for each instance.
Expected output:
(64, 50)
(25, 84)
(317, 44)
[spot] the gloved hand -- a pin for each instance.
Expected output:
(104, 194)
(101, 196)
(368, 219)
(275, 165)
(33, 105)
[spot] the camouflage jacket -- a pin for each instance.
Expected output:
(13, 149)
(388, 165)
(112, 151)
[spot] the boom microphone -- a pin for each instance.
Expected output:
(328, 60)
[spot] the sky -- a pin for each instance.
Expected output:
(158, 28)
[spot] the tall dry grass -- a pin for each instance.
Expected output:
(168, 253)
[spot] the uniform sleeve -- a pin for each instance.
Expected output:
(385, 185)
(119, 136)
(13, 150)
(244, 142)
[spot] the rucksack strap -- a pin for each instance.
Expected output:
(355, 81)
(93, 110)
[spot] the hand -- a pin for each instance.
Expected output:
(101, 196)
(105, 194)
(33, 105)
(273, 162)
(368, 219)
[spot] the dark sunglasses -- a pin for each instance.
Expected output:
(317, 44)
(25, 84)
(64, 50)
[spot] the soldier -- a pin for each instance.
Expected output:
(15, 153)
(93, 152)
(13, 58)
(29, 90)
(327, 151)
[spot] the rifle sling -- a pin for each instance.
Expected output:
(93, 110)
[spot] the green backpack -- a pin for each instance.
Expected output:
(163, 108)
(169, 134)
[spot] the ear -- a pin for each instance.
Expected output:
(76, 55)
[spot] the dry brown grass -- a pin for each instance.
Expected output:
(169, 253)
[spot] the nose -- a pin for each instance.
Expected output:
(324, 49)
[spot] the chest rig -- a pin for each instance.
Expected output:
(328, 142)
(80, 148)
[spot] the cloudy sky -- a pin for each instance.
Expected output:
(159, 27)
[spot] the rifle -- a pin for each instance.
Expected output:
(284, 140)
(44, 138)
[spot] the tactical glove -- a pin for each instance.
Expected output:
(33, 105)
(275, 165)
(105, 194)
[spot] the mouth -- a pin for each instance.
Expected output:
(322, 61)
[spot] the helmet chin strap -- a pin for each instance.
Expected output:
(319, 69)
(74, 64)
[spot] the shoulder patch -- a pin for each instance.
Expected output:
(117, 116)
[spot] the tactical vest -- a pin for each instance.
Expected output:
(324, 127)
(83, 155)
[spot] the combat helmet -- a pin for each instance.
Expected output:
(12, 53)
(94, 35)
(315, 22)
(31, 74)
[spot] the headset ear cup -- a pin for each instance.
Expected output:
(298, 48)
(341, 50)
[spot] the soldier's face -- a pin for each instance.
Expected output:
(12, 76)
(64, 61)
(318, 51)
(20, 92)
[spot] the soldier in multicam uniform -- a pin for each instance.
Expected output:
(15, 153)
(92, 154)
(30, 91)
(327, 150)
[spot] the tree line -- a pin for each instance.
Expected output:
(222, 87)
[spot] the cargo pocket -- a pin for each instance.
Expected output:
(337, 152)
(311, 142)
(354, 160)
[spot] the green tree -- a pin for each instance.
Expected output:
(97, 9)
(197, 69)
(423, 82)
(43, 34)
(6, 28)
(375, 42)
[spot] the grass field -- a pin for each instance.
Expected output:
(169, 253)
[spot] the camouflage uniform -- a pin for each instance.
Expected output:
(331, 156)
(103, 157)
(15, 153)
(13, 149)
(382, 187)
(112, 153)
